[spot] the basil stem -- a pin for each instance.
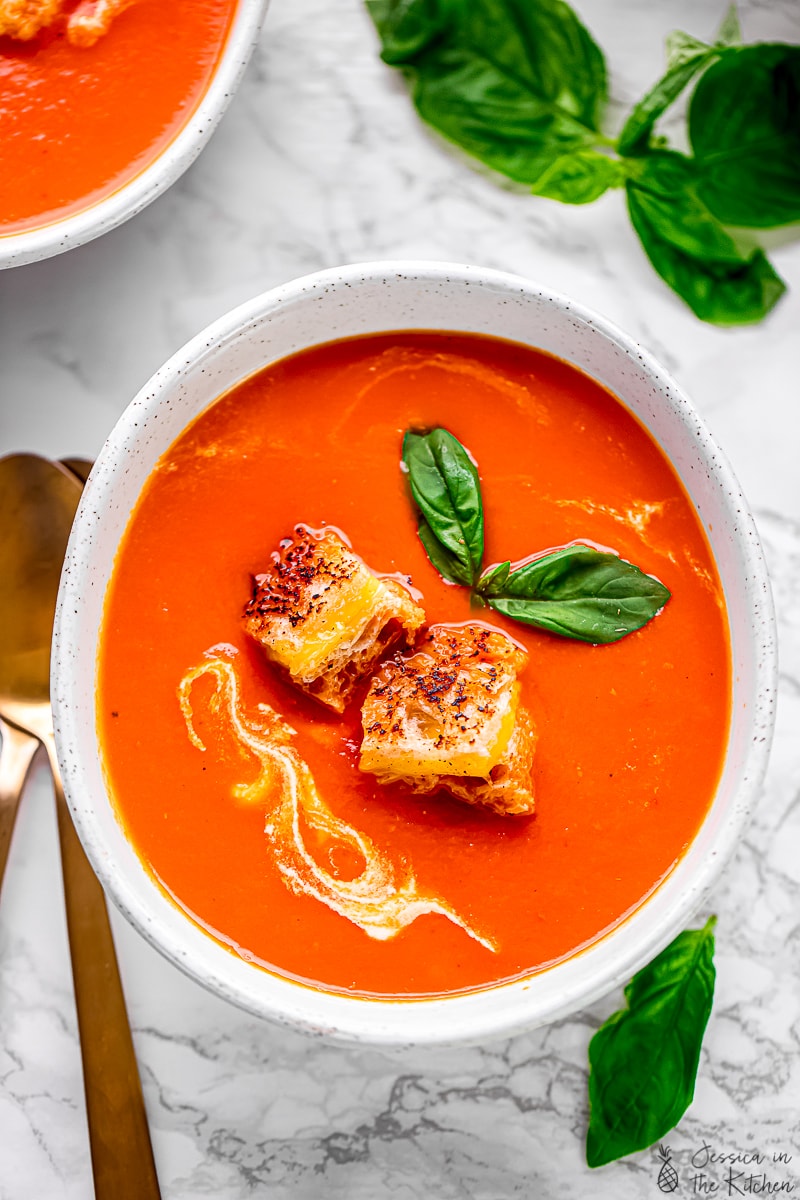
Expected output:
(446, 487)
(643, 1060)
(493, 580)
(578, 592)
(639, 125)
(686, 58)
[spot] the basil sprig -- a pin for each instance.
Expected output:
(521, 87)
(643, 1060)
(577, 592)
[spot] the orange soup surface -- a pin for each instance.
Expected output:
(631, 736)
(78, 122)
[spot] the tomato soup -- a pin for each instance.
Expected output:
(631, 736)
(79, 121)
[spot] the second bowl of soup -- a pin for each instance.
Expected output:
(104, 106)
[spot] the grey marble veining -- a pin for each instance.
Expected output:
(321, 160)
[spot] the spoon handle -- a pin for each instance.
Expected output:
(122, 1156)
(16, 756)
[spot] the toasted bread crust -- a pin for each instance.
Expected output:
(321, 615)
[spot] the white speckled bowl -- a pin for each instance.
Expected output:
(55, 237)
(366, 299)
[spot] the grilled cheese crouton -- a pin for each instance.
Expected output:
(448, 716)
(321, 615)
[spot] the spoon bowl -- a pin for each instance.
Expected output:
(38, 501)
(18, 748)
(32, 549)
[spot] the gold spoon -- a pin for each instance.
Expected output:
(38, 500)
(18, 747)
(80, 467)
(16, 756)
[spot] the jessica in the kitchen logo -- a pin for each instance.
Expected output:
(712, 1172)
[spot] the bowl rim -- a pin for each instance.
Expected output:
(461, 1017)
(101, 216)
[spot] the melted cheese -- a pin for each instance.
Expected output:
(381, 899)
(320, 614)
(332, 627)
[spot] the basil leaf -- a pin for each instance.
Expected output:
(744, 127)
(689, 248)
(493, 580)
(406, 27)
(643, 1061)
(446, 563)
(581, 593)
(580, 177)
(447, 489)
(665, 183)
(513, 83)
(685, 65)
(730, 31)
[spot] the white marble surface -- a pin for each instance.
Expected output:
(320, 161)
